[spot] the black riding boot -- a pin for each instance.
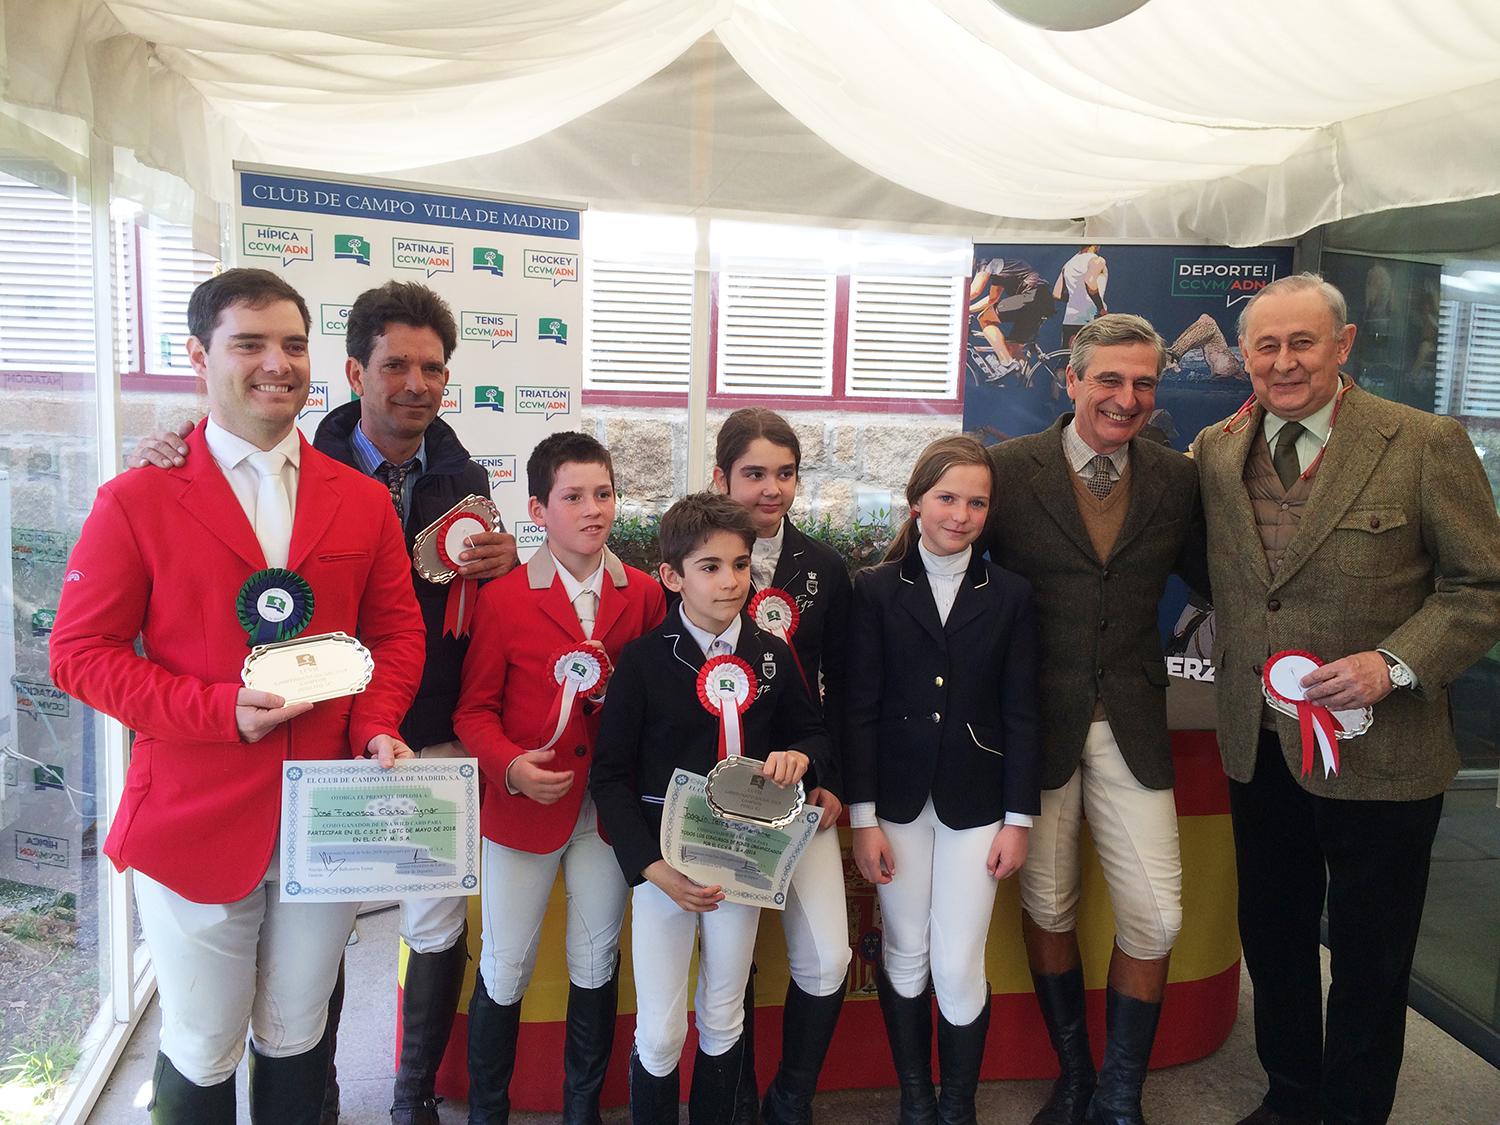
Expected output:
(653, 1100)
(429, 999)
(1130, 1027)
(807, 1026)
(289, 1091)
(960, 1053)
(492, 1055)
(176, 1101)
(590, 1041)
(908, 1025)
(330, 1111)
(1061, 996)
(747, 1099)
(716, 1082)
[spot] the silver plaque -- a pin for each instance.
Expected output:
(310, 669)
(424, 552)
(738, 791)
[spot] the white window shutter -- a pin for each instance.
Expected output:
(123, 265)
(1481, 363)
(46, 281)
(1448, 315)
(903, 337)
(776, 334)
(170, 269)
(637, 327)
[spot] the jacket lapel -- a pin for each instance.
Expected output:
(1225, 485)
(1053, 488)
(789, 565)
(684, 649)
(209, 499)
(1145, 498)
(914, 594)
(970, 603)
(319, 495)
(541, 574)
(1354, 448)
(612, 600)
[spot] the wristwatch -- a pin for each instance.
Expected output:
(1400, 674)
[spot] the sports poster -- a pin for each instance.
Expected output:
(510, 272)
(1026, 302)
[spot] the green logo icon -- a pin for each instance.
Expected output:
(490, 260)
(351, 248)
(550, 328)
(489, 398)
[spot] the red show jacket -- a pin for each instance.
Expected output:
(161, 557)
(521, 623)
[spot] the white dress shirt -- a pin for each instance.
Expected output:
(764, 556)
(593, 584)
(712, 646)
(1081, 454)
(232, 454)
(1315, 430)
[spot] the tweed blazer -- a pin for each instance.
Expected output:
(1398, 549)
(1099, 626)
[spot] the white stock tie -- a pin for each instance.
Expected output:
(273, 509)
(586, 606)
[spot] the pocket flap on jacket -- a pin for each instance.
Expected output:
(1375, 521)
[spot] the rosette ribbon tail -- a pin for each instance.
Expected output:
(1319, 731)
(562, 709)
(460, 609)
(781, 635)
(731, 740)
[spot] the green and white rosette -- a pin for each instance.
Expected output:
(273, 605)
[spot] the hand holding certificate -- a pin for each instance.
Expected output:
(351, 830)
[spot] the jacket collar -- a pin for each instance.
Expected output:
(446, 455)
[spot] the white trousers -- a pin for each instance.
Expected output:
(517, 886)
(816, 919)
(1135, 834)
(661, 937)
(935, 912)
(432, 925)
(257, 964)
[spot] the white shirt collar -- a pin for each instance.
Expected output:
(230, 449)
(1079, 452)
(1318, 424)
(945, 565)
(766, 553)
(594, 583)
(705, 639)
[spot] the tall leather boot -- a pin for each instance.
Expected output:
(330, 1111)
(289, 1091)
(960, 1054)
(1130, 1025)
(429, 1000)
(716, 1082)
(908, 1025)
(493, 1029)
(807, 1027)
(747, 1098)
(653, 1100)
(586, 1051)
(176, 1101)
(1061, 996)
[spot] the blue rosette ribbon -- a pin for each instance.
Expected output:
(274, 605)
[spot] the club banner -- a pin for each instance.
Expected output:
(1026, 303)
(510, 272)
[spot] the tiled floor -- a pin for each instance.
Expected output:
(1442, 1083)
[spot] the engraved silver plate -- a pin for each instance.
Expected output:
(738, 791)
(425, 555)
(310, 669)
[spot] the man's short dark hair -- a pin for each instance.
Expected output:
(397, 302)
(256, 288)
(556, 450)
(689, 522)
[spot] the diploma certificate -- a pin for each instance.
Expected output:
(752, 863)
(351, 831)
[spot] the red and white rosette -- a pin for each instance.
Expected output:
(726, 686)
(1282, 682)
(775, 611)
(448, 539)
(577, 671)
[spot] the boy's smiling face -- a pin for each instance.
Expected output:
(714, 582)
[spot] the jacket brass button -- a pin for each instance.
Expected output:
(1374, 522)
(937, 717)
(1273, 605)
(581, 751)
(937, 681)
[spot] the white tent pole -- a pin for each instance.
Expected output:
(697, 470)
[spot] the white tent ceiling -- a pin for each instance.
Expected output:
(1230, 122)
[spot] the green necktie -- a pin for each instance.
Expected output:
(1288, 468)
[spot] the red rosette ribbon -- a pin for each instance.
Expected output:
(577, 671)
(449, 541)
(726, 687)
(775, 611)
(1282, 681)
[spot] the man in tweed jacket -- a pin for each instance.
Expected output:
(1363, 532)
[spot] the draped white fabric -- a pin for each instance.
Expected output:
(1232, 122)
